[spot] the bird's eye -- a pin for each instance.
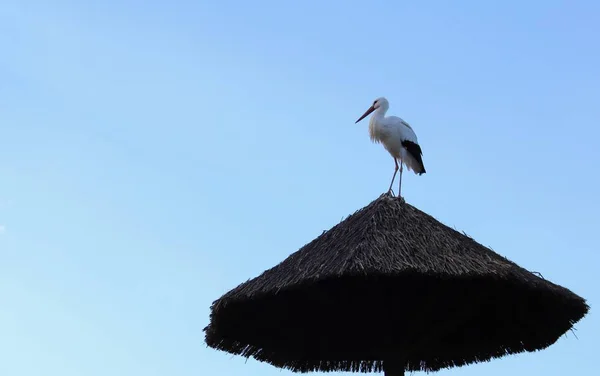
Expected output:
(374, 102)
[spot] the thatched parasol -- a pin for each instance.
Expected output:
(391, 288)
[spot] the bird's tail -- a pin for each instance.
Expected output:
(414, 153)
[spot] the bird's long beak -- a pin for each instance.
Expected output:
(371, 109)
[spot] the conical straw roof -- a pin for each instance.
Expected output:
(391, 283)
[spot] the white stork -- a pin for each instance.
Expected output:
(397, 137)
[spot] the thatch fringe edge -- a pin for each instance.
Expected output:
(362, 366)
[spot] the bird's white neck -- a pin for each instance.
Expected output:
(380, 111)
(375, 123)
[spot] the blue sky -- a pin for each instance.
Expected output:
(153, 155)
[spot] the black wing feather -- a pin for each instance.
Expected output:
(415, 151)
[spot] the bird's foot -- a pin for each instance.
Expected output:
(391, 192)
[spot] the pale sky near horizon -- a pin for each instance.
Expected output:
(154, 155)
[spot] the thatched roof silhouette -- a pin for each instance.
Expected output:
(391, 283)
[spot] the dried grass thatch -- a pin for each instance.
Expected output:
(391, 284)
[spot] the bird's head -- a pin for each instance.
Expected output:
(380, 102)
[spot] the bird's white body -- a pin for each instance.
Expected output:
(396, 136)
(391, 131)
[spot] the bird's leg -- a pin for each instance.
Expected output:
(400, 180)
(393, 177)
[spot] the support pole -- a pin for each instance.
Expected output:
(393, 368)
